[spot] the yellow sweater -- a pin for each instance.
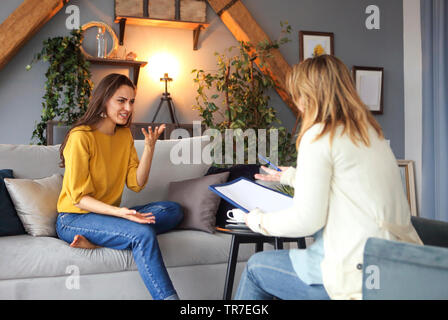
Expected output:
(98, 165)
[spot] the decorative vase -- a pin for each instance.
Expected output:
(101, 43)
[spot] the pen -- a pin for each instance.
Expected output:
(269, 162)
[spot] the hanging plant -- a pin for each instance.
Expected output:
(239, 87)
(68, 85)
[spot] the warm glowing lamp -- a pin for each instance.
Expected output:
(163, 63)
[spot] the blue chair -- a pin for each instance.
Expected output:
(397, 270)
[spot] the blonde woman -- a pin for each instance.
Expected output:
(347, 189)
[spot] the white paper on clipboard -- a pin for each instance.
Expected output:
(249, 195)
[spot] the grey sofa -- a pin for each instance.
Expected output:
(397, 270)
(46, 267)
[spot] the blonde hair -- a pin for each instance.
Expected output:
(327, 93)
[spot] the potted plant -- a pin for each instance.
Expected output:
(68, 85)
(241, 87)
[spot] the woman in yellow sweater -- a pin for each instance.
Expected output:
(99, 158)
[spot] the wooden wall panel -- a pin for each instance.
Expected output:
(244, 27)
(23, 23)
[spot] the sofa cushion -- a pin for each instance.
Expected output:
(165, 168)
(36, 203)
(10, 224)
(199, 204)
(24, 256)
(30, 161)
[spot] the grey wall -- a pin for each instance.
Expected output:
(21, 91)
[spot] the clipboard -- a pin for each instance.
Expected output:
(248, 195)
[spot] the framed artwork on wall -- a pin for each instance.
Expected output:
(369, 84)
(408, 181)
(312, 44)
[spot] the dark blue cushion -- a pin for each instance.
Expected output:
(241, 170)
(431, 232)
(10, 224)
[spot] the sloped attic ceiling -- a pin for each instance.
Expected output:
(31, 15)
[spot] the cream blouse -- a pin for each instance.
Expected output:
(353, 193)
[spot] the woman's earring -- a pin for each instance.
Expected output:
(103, 115)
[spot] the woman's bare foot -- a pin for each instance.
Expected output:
(81, 242)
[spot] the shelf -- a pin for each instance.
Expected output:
(136, 65)
(161, 23)
(195, 26)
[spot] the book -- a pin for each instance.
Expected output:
(237, 226)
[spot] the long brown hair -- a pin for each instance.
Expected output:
(97, 105)
(329, 96)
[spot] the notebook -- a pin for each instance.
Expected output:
(248, 195)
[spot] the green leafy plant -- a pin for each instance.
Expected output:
(68, 85)
(240, 87)
(286, 189)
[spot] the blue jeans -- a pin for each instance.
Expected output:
(119, 233)
(270, 274)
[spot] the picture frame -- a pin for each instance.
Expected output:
(369, 82)
(408, 181)
(312, 41)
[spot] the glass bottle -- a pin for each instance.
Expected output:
(101, 43)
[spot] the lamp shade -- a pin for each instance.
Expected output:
(163, 63)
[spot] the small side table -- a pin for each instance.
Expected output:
(240, 236)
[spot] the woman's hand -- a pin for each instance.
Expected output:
(148, 152)
(135, 216)
(272, 175)
(152, 136)
(90, 204)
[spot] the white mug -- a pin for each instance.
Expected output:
(236, 215)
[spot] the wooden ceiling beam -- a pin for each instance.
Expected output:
(23, 23)
(243, 26)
